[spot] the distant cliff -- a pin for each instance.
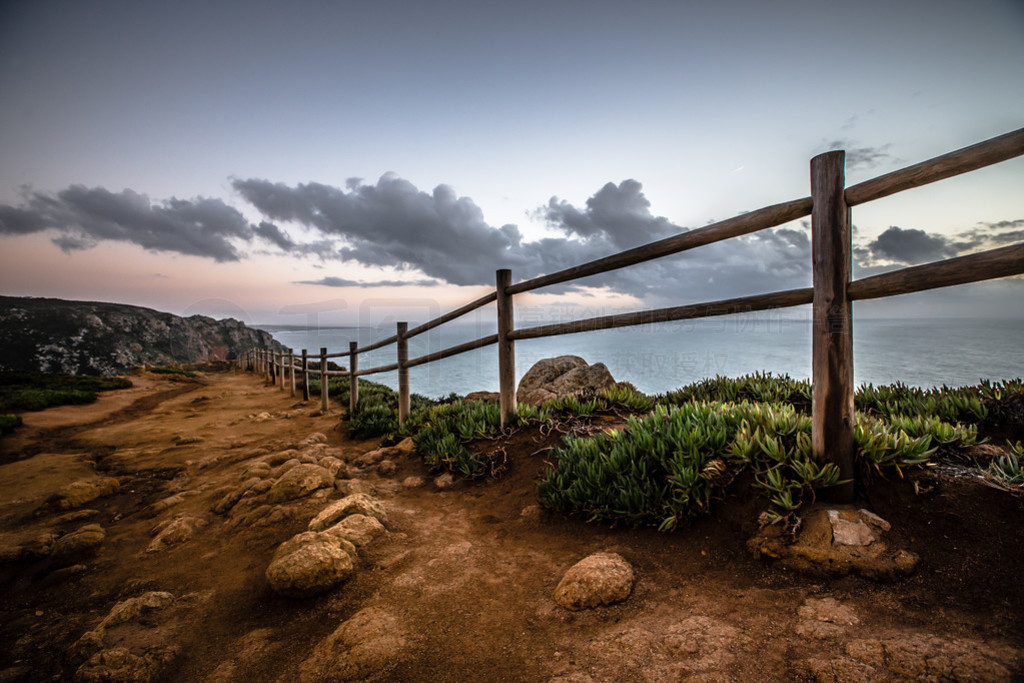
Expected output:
(89, 338)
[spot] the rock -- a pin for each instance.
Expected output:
(281, 457)
(489, 396)
(825, 617)
(357, 529)
(260, 469)
(283, 468)
(176, 531)
(406, 446)
(313, 439)
(836, 541)
(600, 579)
(63, 574)
(299, 481)
(445, 481)
(75, 516)
(372, 457)
(129, 609)
(166, 503)
(874, 520)
(387, 468)
(356, 503)
(849, 532)
(334, 466)
(308, 564)
(530, 512)
(364, 647)
(553, 378)
(80, 492)
(80, 543)
(119, 664)
(412, 482)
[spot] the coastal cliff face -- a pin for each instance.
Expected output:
(89, 338)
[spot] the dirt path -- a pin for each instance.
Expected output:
(461, 587)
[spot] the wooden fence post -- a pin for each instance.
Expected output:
(305, 375)
(506, 350)
(279, 376)
(291, 372)
(324, 379)
(832, 329)
(403, 373)
(353, 381)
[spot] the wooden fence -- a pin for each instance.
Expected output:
(831, 296)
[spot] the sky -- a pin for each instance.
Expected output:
(282, 162)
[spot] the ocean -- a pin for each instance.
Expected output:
(659, 358)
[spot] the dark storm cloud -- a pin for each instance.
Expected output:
(342, 282)
(443, 236)
(394, 224)
(83, 216)
(911, 246)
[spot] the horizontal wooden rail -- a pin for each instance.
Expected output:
(381, 368)
(746, 304)
(457, 313)
(454, 350)
(986, 265)
(992, 151)
(768, 217)
(337, 354)
(377, 345)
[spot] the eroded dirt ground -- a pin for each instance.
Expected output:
(461, 587)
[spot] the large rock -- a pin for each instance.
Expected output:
(80, 492)
(362, 648)
(299, 481)
(310, 563)
(357, 503)
(836, 541)
(601, 579)
(553, 378)
(120, 664)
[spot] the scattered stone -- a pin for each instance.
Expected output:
(299, 481)
(600, 579)
(313, 439)
(825, 617)
(874, 520)
(849, 532)
(129, 609)
(357, 529)
(75, 516)
(285, 466)
(356, 503)
(406, 446)
(187, 440)
(166, 503)
(372, 457)
(260, 469)
(80, 492)
(553, 378)
(119, 664)
(412, 482)
(366, 646)
(80, 543)
(281, 457)
(333, 465)
(445, 481)
(387, 468)
(835, 541)
(308, 564)
(530, 512)
(176, 531)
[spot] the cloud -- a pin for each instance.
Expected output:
(911, 246)
(82, 217)
(861, 157)
(272, 233)
(342, 282)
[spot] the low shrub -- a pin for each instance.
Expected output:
(171, 370)
(8, 423)
(29, 391)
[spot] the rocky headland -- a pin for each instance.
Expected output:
(91, 338)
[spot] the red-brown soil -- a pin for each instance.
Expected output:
(467, 578)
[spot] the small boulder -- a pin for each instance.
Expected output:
(387, 468)
(489, 396)
(601, 579)
(553, 378)
(79, 543)
(412, 482)
(129, 609)
(308, 564)
(333, 465)
(299, 481)
(356, 503)
(445, 481)
(173, 532)
(120, 664)
(313, 439)
(362, 648)
(357, 529)
(80, 492)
